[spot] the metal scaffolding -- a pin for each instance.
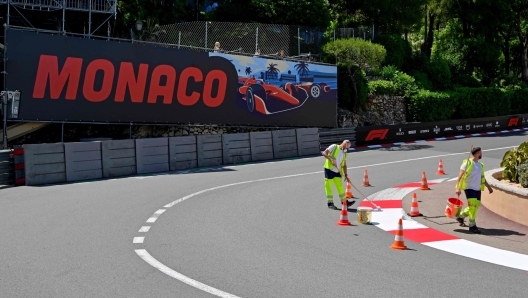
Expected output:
(90, 6)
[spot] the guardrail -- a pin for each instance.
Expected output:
(328, 137)
(7, 168)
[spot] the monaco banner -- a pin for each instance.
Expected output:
(74, 79)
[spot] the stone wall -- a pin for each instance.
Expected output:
(379, 110)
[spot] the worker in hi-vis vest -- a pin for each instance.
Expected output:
(471, 179)
(334, 167)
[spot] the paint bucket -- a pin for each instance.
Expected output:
(454, 207)
(364, 215)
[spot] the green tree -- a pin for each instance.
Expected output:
(355, 55)
(314, 13)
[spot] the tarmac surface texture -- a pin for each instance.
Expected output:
(255, 230)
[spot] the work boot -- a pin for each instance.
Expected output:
(332, 206)
(349, 203)
(475, 230)
(460, 221)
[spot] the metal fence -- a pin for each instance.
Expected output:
(248, 38)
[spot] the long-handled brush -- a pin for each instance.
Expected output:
(377, 207)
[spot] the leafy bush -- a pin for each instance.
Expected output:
(345, 90)
(482, 102)
(465, 80)
(511, 161)
(523, 175)
(519, 101)
(431, 106)
(422, 80)
(418, 61)
(507, 81)
(439, 73)
(389, 72)
(381, 87)
(398, 50)
(405, 85)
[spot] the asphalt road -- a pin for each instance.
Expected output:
(269, 238)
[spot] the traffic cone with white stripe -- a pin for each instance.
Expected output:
(414, 207)
(365, 179)
(424, 183)
(398, 239)
(348, 193)
(440, 169)
(343, 218)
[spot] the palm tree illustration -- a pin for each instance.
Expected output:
(302, 69)
(272, 72)
(248, 70)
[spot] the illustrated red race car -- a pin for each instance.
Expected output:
(270, 99)
(314, 89)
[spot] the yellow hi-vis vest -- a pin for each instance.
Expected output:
(334, 153)
(469, 168)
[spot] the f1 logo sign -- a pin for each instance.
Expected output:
(514, 122)
(376, 134)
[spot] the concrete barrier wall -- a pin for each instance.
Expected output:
(261, 145)
(209, 149)
(152, 155)
(83, 161)
(119, 158)
(44, 163)
(284, 143)
(307, 141)
(236, 148)
(182, 152)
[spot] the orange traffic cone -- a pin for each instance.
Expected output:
(398, 239)
(365, 179)
(440, 169)
(343, 218)
(424, 183)
(414, 207)
(348, 192)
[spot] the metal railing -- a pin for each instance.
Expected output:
(331, 136)
(103, 6)
(7, 168)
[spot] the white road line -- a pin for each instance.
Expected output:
(194, 283)
(138, 240)
(159, 212)
(482, 252)
(170, 272)
(144, 229)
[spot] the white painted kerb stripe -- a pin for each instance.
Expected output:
(138, 240)
(144, 229)
(482, 252)
(156, 264)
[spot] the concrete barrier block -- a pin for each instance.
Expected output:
(307, 141)
(284, 143)
(261, 145)
(44, 163)
(182, 151)
(236, 148)
(119, 158)
(152, 155)
(83, 161)
(209, 150)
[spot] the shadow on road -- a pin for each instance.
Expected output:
(492, 232)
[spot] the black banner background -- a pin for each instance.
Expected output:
(369, 135)
(25, 49)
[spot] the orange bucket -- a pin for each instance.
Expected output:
(454, 207)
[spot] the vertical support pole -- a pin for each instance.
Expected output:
(108, 31)
(90, 18)
(372, 32)
(334, 34)
(425, 24)
(4, 98)
(179, 39)
(364, 35)
(206, 34)
(62, 133)
(8, 10)
(63, 17)
(256, 41)
(130, 131)
(299, 41)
